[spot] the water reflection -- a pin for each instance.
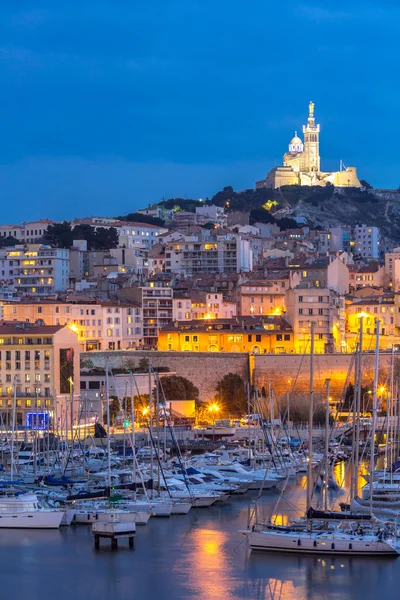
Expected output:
(201, 556)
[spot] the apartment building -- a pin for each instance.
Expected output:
(372, 308)
(99, 324)
(327, 273)
(326, 309)
(139, 235)
(361, 240)
(370, 275)
(37, 270)
(28, 233)
(257, 336)
(392, 268)
(366, 241)
(155, 301)
(43, 362)
(199, 304)
(225, 253)
(262, 297)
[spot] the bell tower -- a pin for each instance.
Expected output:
(311, 142)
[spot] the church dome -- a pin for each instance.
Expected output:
(296, 144)
(296, 141)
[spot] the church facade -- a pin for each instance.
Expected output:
(301, 165)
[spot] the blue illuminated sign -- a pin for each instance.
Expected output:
(37, 420)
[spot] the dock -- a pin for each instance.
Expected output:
(114, 531)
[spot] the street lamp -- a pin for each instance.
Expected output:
(214, 409)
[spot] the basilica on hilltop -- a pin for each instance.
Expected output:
(301, 165)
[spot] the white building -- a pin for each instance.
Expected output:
(156, 303)
(139, 235)
(225, 253)
(28, 233)
(366, 241)
(37, 270)
(130, 235)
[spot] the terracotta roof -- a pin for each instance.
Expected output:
(236, 324)
(373, 268)
(18, 327)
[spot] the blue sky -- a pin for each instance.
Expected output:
(108, 105)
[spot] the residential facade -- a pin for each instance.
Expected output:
(323, 307)
(38, 270)
(43, 362)
(257, 336)
(221, 253)
(99, 325)
(202, 305)
(262, 298)
(156, 304)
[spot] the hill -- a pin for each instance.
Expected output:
(323, 207)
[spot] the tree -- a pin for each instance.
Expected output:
(143, 364)
(210, 225)
(139, 403)
(139, 218)
(176, 387)
(59, 235)
(62, 235)
(365, 184)
(8, 241)
(231, 393)
(114, 409)
(104, 238)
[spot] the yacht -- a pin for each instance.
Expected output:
(24, 512)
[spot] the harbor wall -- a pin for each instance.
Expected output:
(285, 372)
(203, 369)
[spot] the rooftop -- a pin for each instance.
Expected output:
(16, 327)
(266, 323)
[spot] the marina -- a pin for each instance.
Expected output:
(198, 556)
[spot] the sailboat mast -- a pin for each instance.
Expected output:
(310, 422)
(373, 428)
(13, 427)
(248, 421)
(133, 433)
(328, 389)
(108, 431)
(358, 393)
(151, 430)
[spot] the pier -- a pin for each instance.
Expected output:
(114, 531)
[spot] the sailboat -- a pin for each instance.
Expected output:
(324, 537)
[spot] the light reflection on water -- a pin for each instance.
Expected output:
(201, 556)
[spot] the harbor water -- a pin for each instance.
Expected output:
(199, 556)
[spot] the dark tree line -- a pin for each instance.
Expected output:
(62, 235)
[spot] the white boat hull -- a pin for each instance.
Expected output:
(86, 517)
(303, 543)
(180, 508)
(40, 519)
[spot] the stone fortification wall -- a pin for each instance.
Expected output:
(204, 369)
(286, 371)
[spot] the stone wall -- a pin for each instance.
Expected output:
(287, 371)
(283, 371)
(204, 369)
